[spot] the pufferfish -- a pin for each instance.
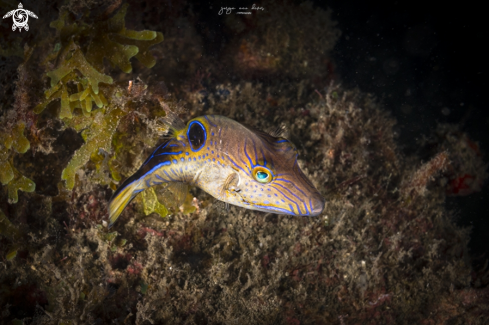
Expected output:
(231, 162)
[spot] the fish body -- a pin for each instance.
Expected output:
(233, 163)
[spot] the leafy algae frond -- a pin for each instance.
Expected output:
(79, 80)
(112, 34)
(98, 137)
(19, 182)
(13, 141)
(81, 63)
(151, 203)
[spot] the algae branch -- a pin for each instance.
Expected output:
(92, 86)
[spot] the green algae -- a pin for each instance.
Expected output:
(19, 183)
(81, 66)
(108, 39)
(97, 137)
(12, 253)
(80, 63)
(151, 203)
(8, 229)
(112, 34)
(143, 54)
(87, 86)
(14, 140)
(6, 171)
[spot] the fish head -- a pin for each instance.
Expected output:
(272, 180)
(247, 167)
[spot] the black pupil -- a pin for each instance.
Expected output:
(196, 136)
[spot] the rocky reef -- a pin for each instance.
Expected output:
(86, 109)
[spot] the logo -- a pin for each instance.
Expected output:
(20, 17)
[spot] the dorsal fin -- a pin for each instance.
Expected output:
(173, 124)
(272, 139)
(278, 132)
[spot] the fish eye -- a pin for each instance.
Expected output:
(262, 174)
(196, 135)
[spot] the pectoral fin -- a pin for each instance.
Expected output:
(179, 191)
(231, 180)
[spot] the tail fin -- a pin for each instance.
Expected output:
(122, 197)
(143, 178)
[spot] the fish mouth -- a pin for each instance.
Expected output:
(317, 206)
(317, 209)
(270, 209)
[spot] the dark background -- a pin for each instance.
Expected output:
(428, 64)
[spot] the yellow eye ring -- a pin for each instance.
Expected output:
(262, 174)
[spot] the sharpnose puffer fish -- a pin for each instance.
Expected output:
(231, 162)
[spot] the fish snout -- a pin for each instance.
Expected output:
(317, 205)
